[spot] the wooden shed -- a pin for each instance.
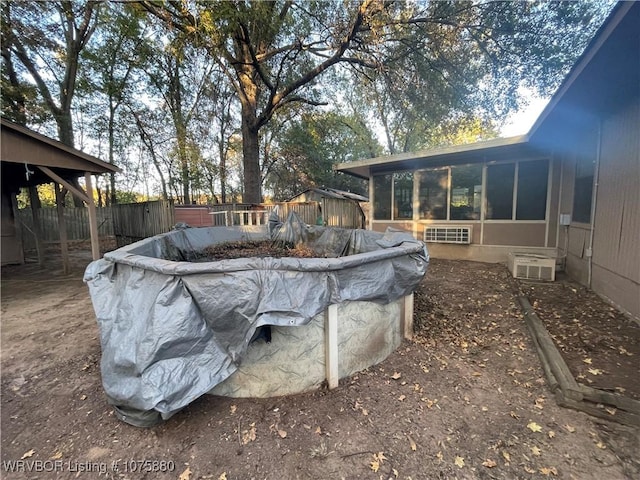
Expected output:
(29, 159)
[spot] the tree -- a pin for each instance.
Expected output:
(308, 149)
(449, 56)
(49, 37)
(110, 66)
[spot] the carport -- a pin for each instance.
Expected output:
(29, 159)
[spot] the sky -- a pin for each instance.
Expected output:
(520, 122)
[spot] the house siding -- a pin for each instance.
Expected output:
(616, 242)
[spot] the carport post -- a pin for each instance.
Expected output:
(62, 227)
(407, 316)
(93, 217)
(37, 231)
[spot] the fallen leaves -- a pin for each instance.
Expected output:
(459, 461)
(412, 443)
(534, 427)
(489, 463)
(28, 454)
(186, 475)
(378, 459)
(595, 371)
(249, 435)
(396, 375)
(548, 471)
(536, 451)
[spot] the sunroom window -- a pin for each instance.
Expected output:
(532, 190)
(433, 194)
(382, 197)
(403, 196)
(466, 192)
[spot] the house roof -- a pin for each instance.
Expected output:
(23, 149)
(333, 193)
(494, 148)
(604, 76)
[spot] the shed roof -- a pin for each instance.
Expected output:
(22, 149)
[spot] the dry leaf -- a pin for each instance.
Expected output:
(396, 375)
(439, 456)
(551, 434)
(506, 456)
(546, 471)
(459, 461)
(611, 411)
(318, 430)
(569, 428)
(282, 433)
(83, 397)
(595, 371)
(529, 469)
(249, 435)
(587, 361)
(476, 374)
(413, 445)
(375, 465)
(514, 415)
(186, 475)
(56, 456)
(379, 456)
(534, 427)
(233, 409)
(535, 451)
(28, 454)
(402, 397)
(539, 403)
(365, 412)
(223, 476)
(395, 473)
(601, 445)
(489, 463)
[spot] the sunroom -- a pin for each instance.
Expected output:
(480, 201)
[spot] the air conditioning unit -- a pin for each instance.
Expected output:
(448, 234)
(529, 266)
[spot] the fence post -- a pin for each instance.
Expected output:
(37, 231)
(62, 227)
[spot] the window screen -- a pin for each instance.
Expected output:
(403, 196)
(382, 197)
(532, 190)
(433, 194)
(466, 192)
(500, 191)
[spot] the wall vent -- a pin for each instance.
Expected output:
(448, 234)
(529, 266)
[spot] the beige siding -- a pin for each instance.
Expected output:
(617, 224)
(616, 245)
(515, 233)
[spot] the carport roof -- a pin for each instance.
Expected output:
(22, 148)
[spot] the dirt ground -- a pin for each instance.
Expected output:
(465, 399)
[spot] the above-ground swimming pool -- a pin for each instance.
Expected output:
(173, 328)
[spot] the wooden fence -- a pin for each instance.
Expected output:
(135, 221)
(77, 223)
(332, 212)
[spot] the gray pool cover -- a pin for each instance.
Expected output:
(171, 329)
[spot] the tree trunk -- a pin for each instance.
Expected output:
(251, 159)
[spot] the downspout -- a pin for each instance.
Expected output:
(596, 181)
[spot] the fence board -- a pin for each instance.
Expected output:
(76, 219)
(135, 221)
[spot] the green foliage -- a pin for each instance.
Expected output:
(309, 148)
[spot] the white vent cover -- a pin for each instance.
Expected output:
(530, 266)
(448, 234)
